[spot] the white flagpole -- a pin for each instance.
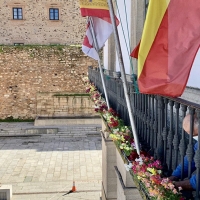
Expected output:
(124, 81)
(91, 27)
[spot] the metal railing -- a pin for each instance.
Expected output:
(158, 121)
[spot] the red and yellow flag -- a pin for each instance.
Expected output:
(94, 8)
(99, 12)
(169, 43)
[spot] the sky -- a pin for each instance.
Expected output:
(194, 78)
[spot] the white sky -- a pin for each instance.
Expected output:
(194, 78)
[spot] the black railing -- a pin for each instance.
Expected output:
(158, 121)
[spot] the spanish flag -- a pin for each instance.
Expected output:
(169, 44)
(99, 11)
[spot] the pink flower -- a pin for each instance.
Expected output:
(171, 186)
(174, 191)
(180, 188)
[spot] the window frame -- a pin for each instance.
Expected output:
(18, 16)
(54, 17)
(18, 44)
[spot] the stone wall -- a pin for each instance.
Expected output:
(36, 28)
(69, 105)
(28, 70)
(191, 94)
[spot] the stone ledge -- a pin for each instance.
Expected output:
(123, 192)
(106, 140)
(51, 121)
(122, 182)
(42, 131)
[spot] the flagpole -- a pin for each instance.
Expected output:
(99, 62)
(123, 75)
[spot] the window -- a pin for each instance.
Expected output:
(54, 14)
(17, 13)
(18, 44)
(146, 7)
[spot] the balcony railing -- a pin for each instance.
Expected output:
(158, 121)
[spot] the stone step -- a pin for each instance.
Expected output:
(54, 132)
(78, 131)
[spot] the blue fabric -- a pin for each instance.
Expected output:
(177, 171)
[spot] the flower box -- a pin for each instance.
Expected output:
(117, 184)
(126, 176)
(126, 188)
(122, 182)
(141, 188)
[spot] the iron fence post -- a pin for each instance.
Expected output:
(164, 134)
(176, 136)
(170, 135)
(160, 146)
(197, 161)
(190, 151)
(182, 146)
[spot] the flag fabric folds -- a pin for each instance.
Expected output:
(169, 44)
(99, 12)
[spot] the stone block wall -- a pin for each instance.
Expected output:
(28, 70)
(191, 94)
(36, 27)
(53, 104)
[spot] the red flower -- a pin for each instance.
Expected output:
(88, 90)
(156, 179)
(133, 156)
(113, 123)
(144, 153)
(114, 113)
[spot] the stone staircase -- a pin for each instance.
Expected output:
(28, 129)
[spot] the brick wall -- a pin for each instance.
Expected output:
(28, 70)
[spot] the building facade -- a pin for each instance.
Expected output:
(38, 55)
(41, 22)
(132, 16)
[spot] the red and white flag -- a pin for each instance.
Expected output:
(99, 12)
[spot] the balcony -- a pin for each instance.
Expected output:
(159, 124)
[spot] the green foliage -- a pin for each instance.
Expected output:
(35, 50)
(36, 46)
(68, 95)
(11, 119)
(59, 48)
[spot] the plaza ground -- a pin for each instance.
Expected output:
(44, 166)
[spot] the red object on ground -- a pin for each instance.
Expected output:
(73, 187)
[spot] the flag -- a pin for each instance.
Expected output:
(99, 12)
(169, 44)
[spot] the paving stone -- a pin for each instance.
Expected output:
(45, 167)
(28, 179)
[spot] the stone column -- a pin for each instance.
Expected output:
(109, 178)
(137, 23)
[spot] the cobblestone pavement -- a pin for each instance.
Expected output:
(44, 166)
